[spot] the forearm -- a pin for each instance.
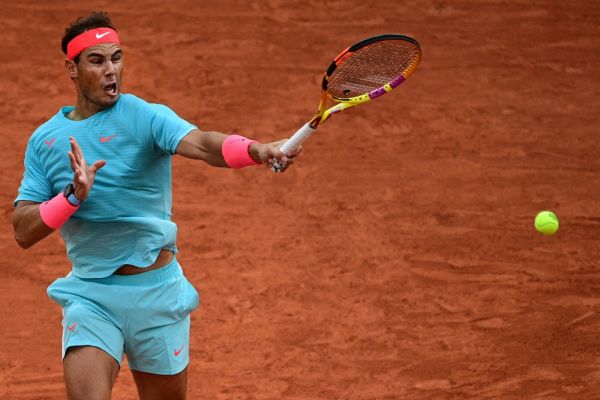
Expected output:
(205, 146)
(29, 228)
(232, 151)
(214, 154)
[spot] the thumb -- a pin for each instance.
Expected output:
(97, 165)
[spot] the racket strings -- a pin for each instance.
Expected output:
(371, 67)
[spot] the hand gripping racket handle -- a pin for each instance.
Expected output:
(296, 140)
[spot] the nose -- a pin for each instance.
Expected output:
(110, 68)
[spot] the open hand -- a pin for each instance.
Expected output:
(84, 175)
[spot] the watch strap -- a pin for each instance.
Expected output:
(73, 200)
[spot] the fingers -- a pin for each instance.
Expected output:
(77, 178)
(83, 174)
(295, 152)
(279, 155)
(282, 160)
(74, 145)
(73, 161)
(290, 157)
(281, 164)
(76, 150)
(275, 157)
(78, 164)
(77, 168)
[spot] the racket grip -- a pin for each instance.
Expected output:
(296, 140)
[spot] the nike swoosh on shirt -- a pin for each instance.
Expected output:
(101, 35)
(104, 139)
(50, 142)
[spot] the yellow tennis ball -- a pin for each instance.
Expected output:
(546, 222)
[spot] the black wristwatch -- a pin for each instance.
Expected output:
(69, 193)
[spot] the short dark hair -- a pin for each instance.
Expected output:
(96, 19)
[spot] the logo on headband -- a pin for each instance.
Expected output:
(91, 38)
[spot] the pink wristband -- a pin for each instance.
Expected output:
(56, 211)
(235, 151)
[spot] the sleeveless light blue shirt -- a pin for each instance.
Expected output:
(126, 218)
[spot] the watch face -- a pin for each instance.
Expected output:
(69, 190)
(69, 193)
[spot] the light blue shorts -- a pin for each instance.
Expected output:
(145, 316)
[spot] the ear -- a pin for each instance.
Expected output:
(71, 68)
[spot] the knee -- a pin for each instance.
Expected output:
(88, 391)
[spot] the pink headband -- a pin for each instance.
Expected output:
(90, 38)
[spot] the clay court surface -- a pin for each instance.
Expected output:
(397, 259)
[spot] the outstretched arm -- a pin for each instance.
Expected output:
(208, 147)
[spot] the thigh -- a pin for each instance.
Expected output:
(157, 333)
(160, 387)
(89, 373)
(88, 318)
(162, 350)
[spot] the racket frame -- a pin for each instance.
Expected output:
(323, 113)
(344, 103)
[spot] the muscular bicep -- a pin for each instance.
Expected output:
(203, 145)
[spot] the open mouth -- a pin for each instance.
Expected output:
(110, 89)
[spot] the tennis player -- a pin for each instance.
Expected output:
(126, 292)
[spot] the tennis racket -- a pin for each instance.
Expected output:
(359, 74)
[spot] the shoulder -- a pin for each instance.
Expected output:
(45, 130)
(129, 102)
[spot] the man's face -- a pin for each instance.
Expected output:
(98, 74)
